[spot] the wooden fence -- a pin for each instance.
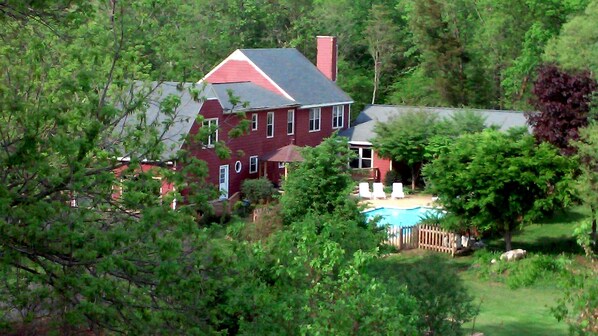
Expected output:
(225, 206)
(404, 238)
(432, 237)
(426, 237)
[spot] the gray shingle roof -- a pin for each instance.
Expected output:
(297, 76)
(256, 97)
(363, 129)
(183, 119)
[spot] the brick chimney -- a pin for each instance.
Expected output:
(327, 55)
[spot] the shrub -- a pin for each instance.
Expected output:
(258, 190)
(521, 273)
(391, 177)
(265, 225)
(443, 302)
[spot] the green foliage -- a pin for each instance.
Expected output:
(579, 306)
(382, 36)
(318, 288)
(587, 182)
(258, 190)
(415, 88)
(575, 47)
(321, 183)
(391, 177)
(127, 264)
(405, 138)
(531, 270)
(443, 302)
(498, 181)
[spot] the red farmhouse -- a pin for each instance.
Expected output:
(285, 97)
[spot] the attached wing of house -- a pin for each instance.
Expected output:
(361, 133)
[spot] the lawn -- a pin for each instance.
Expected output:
(504, 311)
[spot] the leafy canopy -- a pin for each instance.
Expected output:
(563, 101)
(498, 181)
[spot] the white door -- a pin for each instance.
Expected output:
(223, 181)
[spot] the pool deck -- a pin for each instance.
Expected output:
(410, 201)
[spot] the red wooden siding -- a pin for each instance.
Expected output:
(382, 164)
(166, 187)
(240, 71)
(255, 143)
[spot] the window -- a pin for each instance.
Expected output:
(281, 165)
(290, 122)
(238, 166)
(314, 119)
(252, 164)
(212, 125)
(254, 122)
(270, 125)
(338, 113)
(363, 159)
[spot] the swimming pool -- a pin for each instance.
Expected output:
(400, 217)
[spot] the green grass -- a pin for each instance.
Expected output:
(522, 311)
(550, 236)
(505, 311)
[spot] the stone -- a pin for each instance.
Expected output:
(513, 255)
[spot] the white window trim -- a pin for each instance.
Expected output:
(336, 109)
(240, 167)
(251, 158)
(254, 121)
(209, 122)
(319, 110)
(269, 124)
(292, 122)
(360, 157)
(281, 165)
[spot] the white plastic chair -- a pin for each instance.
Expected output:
(378, 191)
(397, 191)
(364, 190)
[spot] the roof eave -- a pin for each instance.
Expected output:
(327, 104)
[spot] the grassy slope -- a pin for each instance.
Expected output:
(505, 311)
(523, 311)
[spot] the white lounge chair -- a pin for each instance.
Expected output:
(364, 190)
(397, 191)
(378, 191)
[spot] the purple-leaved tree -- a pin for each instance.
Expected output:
(563, 101)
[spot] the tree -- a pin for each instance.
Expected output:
(576, 46)
(498, 181)
(442, 300)
(321, 183)
(311, 272)
(382, 37)
(439, 30)
(563, 101)
(405, 138)
(121, 265)
(587, 183)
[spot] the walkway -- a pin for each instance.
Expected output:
(410, 201)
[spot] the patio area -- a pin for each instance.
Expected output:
(410, 201)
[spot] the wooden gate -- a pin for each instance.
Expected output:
(432, 237)
(404, 238)
(426, 237)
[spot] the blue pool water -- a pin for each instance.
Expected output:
(400, 217)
